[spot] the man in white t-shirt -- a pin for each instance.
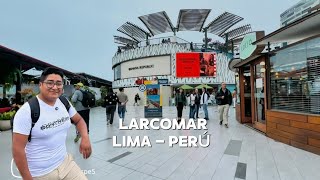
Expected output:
(45, 155)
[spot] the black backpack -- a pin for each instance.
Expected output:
(88, 99)
(35, 111)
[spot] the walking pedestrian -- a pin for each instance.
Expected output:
(110, 100)
(204, 102)
(123, 99)
(180, 100)
(234, 97)
(224, 101)
(84, 112)
(197, 102)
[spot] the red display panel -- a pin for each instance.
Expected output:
(187, 65)
(196, 64)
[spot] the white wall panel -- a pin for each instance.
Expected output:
(159, 65)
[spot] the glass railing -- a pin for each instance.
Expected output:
(169, 39)
(197, 47)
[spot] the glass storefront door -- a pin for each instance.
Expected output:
(259, 119)
(247, 93)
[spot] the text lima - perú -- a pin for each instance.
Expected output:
(201, 140)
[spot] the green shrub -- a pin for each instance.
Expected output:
(103, 91)
(7, 115)
(99, 102)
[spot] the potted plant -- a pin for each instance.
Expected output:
(5, 120)
(26, 94)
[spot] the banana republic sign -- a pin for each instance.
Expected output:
(247, 49)
(141, 67)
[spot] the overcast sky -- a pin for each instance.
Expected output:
(77, 35)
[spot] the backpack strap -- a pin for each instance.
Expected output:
(35, 113)
(35, 110)
(65, 102)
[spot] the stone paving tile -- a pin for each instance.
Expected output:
(160, 161)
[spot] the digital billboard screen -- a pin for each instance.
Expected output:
(196, 64)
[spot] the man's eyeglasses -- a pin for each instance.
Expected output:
(50, 84)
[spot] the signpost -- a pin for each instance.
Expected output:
(153, 107)
(142, 87)
(163, 81)
(247, 49)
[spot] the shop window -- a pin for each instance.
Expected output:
(117, 72)
(295, 78)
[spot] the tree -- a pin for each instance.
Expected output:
(9, 76)
(103, 91)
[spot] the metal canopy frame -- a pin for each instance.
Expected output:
(192, 19)
(24, 62)
(124, 41)
(157, 23)
(222, 23)
(237, 32)
(134, 31)
(95, 78)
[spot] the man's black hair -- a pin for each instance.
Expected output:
(50, 70)
(121, 89)
(110, 90)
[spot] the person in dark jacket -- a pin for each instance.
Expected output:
(110, 100)
(197, 102)
(136, 99)
(180, 100)
(224, 100)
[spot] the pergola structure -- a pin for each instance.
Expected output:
(124, 40)
(188, 20)
(95, 81)
(157, 23)
(24, 62)
(13, 59)
(192, 19)
(134, 31)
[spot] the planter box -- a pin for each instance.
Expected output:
(5, 125)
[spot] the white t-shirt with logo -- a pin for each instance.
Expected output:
(47, 148)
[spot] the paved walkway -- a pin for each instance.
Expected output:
(234, 153)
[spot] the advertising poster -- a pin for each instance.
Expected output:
(196, 64)
(153, 107)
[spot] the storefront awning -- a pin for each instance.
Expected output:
(303, 28)
(232, 63)
(244, 62)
